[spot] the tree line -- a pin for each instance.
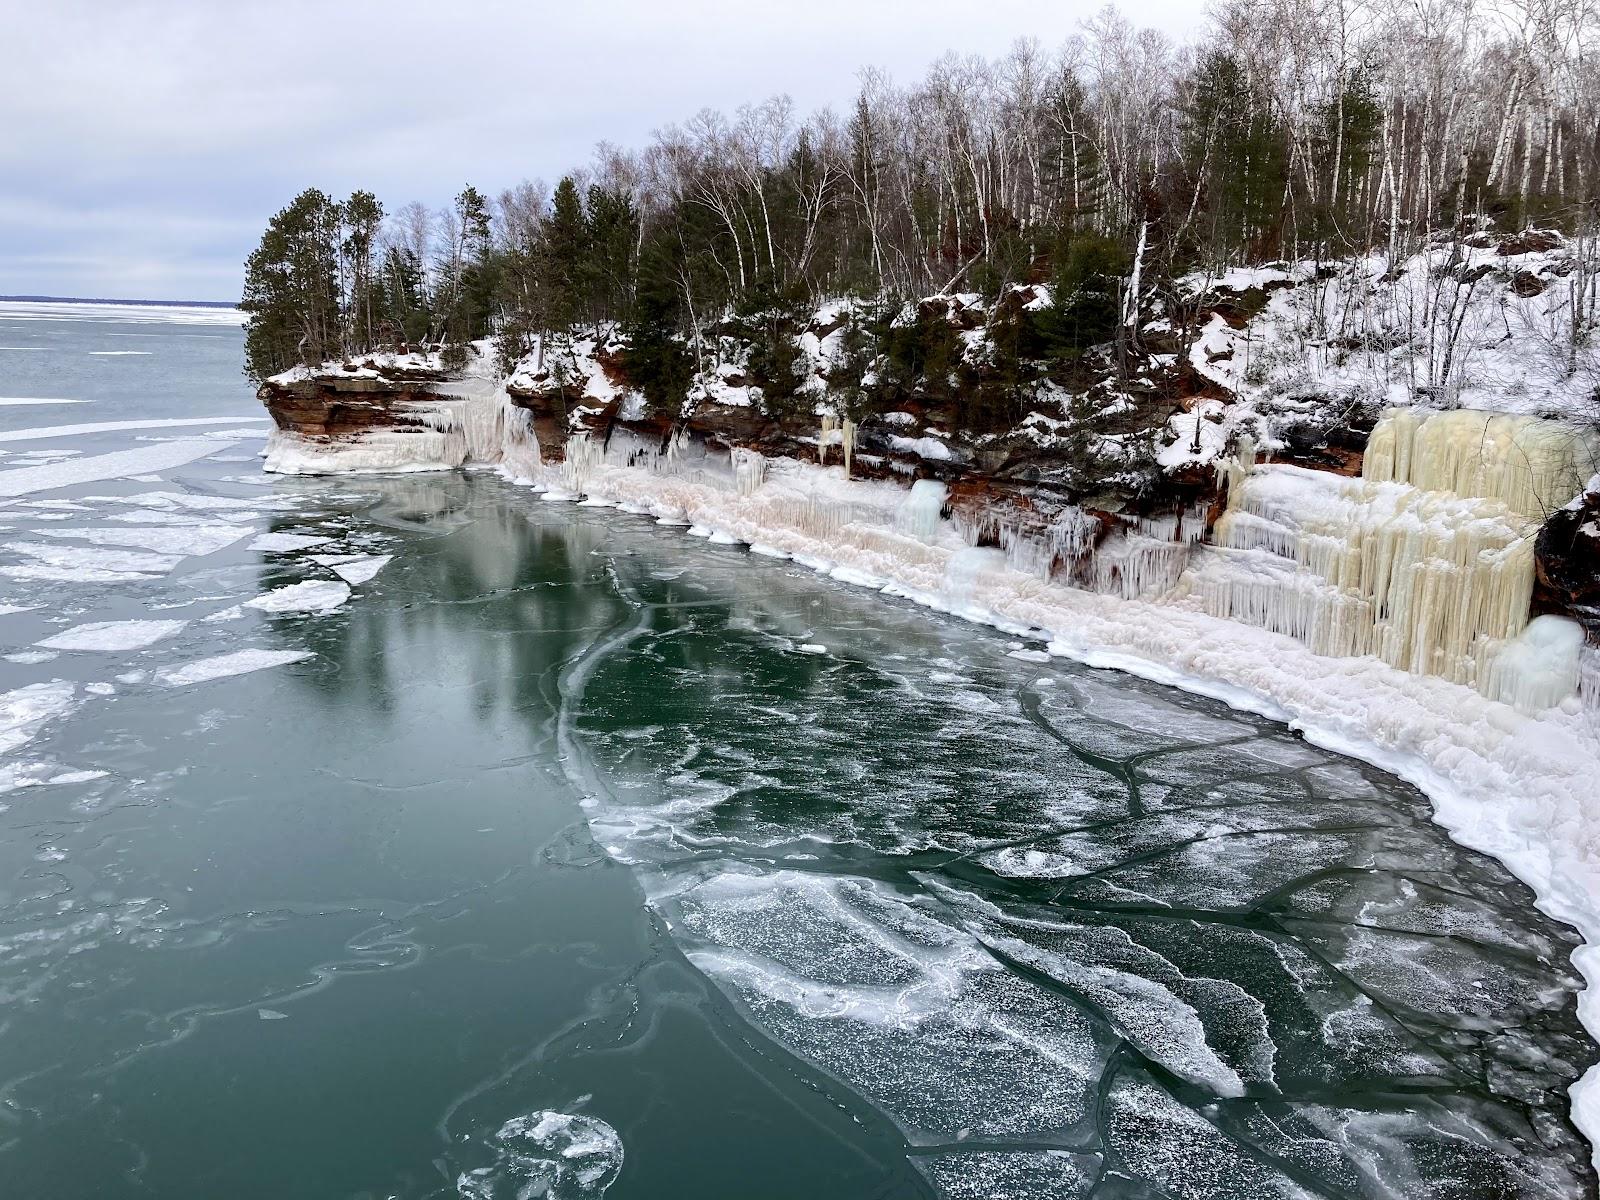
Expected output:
(1291, 129)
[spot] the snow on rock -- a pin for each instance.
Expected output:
(311, 596)
(112, 636)
(1198, 436)
(221, 666)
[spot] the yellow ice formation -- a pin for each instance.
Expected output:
(1425, 562)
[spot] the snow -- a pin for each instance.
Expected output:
(923, 447)
(119, 464)
(112, 637)
(221, 666)
(1374, 333)
(311, 596)
(1187, 448)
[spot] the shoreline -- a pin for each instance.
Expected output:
(1501, 783)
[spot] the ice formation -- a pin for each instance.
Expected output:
(310, 596)
(472, 421)
(1532, 466)
(1426, 561)
(221, 666)
(559, 1156)
(920, 513)
(112, 636)
(1540, 667)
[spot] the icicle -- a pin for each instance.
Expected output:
(583, 456)
(920, 511)
(1529, 464)
(749, 470)
(1428, 581)
(1231, 472)
(1539, 668)
(1131, 565)
(1589, 681)
(847, 435)
(825, 437)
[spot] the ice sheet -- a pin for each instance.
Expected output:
(119, 464)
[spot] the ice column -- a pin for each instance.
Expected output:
(1425, 562)
(920, 511)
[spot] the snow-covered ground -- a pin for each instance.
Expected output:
(1456, 326)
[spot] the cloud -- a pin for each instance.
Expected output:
(148, 141)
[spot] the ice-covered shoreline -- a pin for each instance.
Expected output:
(1517, 787)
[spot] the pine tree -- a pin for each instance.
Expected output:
(291, 288)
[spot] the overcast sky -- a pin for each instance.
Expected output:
(144, 143)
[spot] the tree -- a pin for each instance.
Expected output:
(291, 288)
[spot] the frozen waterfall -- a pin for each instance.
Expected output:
(1426, 561)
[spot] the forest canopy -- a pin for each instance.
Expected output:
(1106, 166)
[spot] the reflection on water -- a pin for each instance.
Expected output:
(562, 866)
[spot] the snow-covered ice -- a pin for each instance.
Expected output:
(119, 464)
(112, 636)
(221, 666)
(310, 596)
(182, 540)
(354, 568)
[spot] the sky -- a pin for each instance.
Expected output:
(146, 142)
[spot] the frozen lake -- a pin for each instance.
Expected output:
(412, 837)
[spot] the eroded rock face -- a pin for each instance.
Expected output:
(334, 407)
(1567, 564)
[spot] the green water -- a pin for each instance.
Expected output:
(564, 816)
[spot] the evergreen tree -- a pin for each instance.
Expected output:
(291, 288)
(1084, 292)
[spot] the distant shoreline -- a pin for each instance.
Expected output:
(138, 303)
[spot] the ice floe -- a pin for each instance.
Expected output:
(353, 568)
(560, 1156)
(221, 666)
(310, 596)
(26, 710)
(85, 564)
(119, 464)
(183, 540)
(112, 636)
(287, 541)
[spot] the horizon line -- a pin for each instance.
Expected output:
(109, 300)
